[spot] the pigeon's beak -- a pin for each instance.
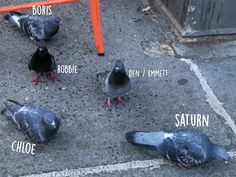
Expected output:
(117, 69)
(54, 124)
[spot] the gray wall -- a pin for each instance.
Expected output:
(213, 14)
(178, 8)
(204, 17)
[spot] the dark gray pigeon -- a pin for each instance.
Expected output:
(115, 83)
(42, 62)
(187, 148)
(39, 124)
(38, 28)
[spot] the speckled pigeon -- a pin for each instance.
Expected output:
(115, 83)
(42, 62)
(39, 124)
(187, 148)
(38, 28)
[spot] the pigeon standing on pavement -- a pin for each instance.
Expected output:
(42, 62)
(115, 83)
(186, 148)
(38, 28)
(39, 124)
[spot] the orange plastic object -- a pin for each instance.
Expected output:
(97, 25)
(94, 10)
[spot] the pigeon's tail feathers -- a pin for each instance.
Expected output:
(16, 13)
(10, 14)
(7, 17)
(102, 76)
(8, 110)
(130, 137)
(141, 138)
(14, 17)
(15, 102)
(220, 153)
(3, 111)
(98, 76)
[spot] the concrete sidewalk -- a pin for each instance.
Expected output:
(90, 140)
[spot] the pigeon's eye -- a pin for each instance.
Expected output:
(47, 120)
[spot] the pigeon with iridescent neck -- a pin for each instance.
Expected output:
(39, 124)
(186, 148)
(38, 28)
(115, 83)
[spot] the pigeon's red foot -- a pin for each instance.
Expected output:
(36, 43)
(52, 76)
(120, 101)
(37, 79)
(109, 104)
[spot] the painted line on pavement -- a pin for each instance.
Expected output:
(145, 164)
(153, 164)
(211, 98)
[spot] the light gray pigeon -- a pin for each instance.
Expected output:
(39, 124)
(186, 148)
(38, 28)
(115, 83)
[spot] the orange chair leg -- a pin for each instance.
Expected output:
(97, 25)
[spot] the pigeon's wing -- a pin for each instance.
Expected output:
(43, 29)
(193, 146)
(168, 150)
(102, 79)
(25, 23)
(46, 64)
(29, 121)
(191, 154)
(34, 62)
(36, 29)
(30, 64)
(185, 151)
(53, 64)
(33, 26)
(51, 27)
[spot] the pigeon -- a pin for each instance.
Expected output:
(115, 83)
(39, 124)
(186, 148)
(38, 28)
(42, 62)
